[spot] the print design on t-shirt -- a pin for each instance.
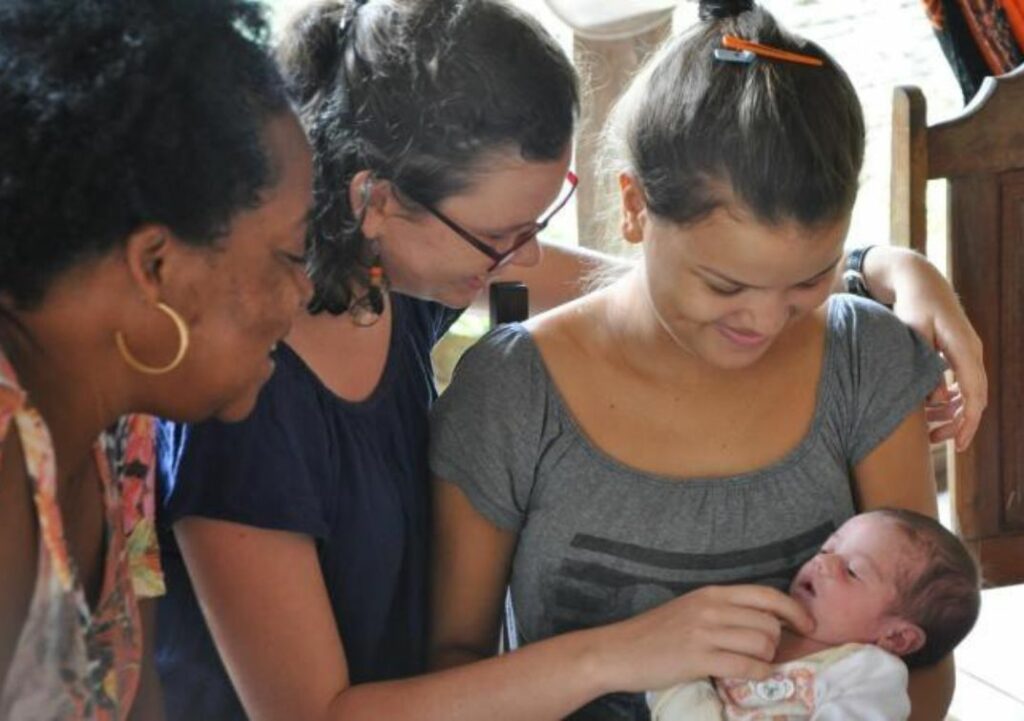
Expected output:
(588, 590)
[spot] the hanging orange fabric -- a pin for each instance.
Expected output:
(936, 15)
(1014, 10)
(996, 43)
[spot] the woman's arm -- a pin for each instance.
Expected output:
(472, 559)
(898, 473)
(931, 690)
(923, 299)
(263, 596)
(264, 600)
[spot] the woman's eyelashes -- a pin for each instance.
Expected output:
(298, 259)
(731, 290)
(724, 290)
(810, 284)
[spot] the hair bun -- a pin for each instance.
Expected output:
(721, 9)
(312, 48)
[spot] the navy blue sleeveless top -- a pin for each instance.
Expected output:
(353, 476)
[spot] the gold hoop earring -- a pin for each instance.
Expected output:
(183, 340)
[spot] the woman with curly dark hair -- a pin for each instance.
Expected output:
(154, 188)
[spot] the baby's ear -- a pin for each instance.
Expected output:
(900, 637)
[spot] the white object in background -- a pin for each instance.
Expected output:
(611, 19)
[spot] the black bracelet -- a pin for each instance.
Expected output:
(853, 273)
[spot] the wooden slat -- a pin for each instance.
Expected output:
(908, 222)
(974, 224)
(987, 137)
(1001, 558)
(1011, 381)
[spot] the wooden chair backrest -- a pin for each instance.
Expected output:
(981, 155)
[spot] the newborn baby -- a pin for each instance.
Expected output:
(890, 589)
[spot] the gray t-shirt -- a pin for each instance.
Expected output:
(600, 541)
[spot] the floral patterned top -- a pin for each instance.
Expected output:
(74, 663)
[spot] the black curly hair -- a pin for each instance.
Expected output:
(117, 113)
(418, 92)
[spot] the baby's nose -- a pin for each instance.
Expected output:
(829, 564)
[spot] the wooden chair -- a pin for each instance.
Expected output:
(981, 155)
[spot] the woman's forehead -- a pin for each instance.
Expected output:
(756, 254)
(511, 192)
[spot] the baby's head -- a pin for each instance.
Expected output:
(893, 578)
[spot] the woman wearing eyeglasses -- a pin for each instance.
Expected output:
(442, 133)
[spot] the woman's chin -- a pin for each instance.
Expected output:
(243, 402)
(237, 409)
(457, 298)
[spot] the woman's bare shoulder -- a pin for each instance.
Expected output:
(570, 328)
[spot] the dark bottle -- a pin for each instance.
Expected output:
(510, 302)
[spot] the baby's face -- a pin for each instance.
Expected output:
(850, 587)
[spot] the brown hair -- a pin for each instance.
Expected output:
(944, 598)
(785, 140)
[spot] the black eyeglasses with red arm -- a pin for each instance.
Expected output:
(523, 237)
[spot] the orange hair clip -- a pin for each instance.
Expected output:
(767, 51)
